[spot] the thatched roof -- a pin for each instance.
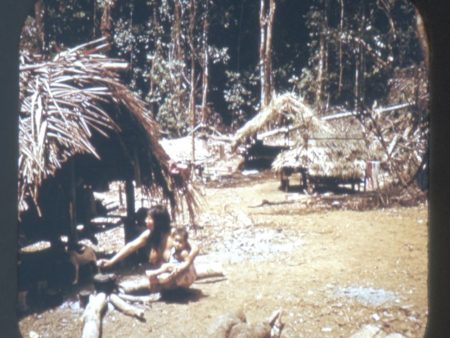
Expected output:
(285, 109)
(72, 104)
(321, 147)
(344, 158)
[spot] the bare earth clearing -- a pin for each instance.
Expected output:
(331, 270)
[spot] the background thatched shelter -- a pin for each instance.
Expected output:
(286, 112)
(316, 146)
(80, 126)
(341, 158)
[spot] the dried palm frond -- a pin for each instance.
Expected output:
(64, 101)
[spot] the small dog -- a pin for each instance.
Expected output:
(80, 255)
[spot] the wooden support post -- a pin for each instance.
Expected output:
(72, 204)
(137, 168)
(120, 194)
(129, 221)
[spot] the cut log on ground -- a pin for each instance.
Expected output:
(126, 308)
(207, 270)
(145, 299)
(92, 316)
(135, 285)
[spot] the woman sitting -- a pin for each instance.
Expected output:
(158, 245)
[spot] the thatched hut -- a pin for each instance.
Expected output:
(328, 151)
(328, 160)
(81, 127)
(277, 128)
(289, 115)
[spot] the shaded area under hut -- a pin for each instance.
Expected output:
(81, 129)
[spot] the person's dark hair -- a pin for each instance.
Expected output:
(141, 215)
(161, 224)
(182, 231)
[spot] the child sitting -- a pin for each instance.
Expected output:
(179, 271)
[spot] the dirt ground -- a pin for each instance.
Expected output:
(331, 270)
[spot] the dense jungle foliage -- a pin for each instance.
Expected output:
(199, 61)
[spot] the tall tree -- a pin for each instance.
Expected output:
(192, 112)
(205, 65)
(266, 19)
(106, 19)
(39, 19)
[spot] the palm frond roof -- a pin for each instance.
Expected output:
(67, 102)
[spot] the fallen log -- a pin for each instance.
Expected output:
(208, 270)
(92, 316)
(146, 299)
(135, 285)
(126, 308)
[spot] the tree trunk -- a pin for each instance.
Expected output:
(192, 91)
(262, 51)
(177, 56)
(356, 86)
(268, 53)
(423, 40)
(39, 18)
(265, 50)
(320, 73)
(322, 67)
(239, 38)
(106, 20)
(341, 30)
(205, 75)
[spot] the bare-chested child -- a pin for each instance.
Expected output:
(181, 257)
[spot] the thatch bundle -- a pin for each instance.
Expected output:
(68, 103)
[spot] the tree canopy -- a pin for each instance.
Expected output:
(219, 63)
